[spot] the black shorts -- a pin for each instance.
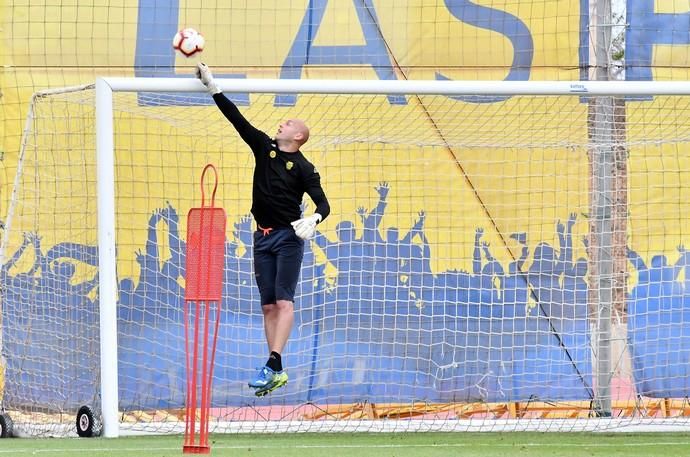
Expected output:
(277, 264)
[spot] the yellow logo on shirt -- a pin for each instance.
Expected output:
(289, 165)
(272, 154)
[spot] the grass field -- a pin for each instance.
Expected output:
(366, 445)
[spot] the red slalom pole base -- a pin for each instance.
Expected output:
(196, 449)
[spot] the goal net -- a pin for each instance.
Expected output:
(491, 262)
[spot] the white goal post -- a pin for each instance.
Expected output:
(473, 330)
(105, 87)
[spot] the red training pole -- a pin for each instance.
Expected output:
(204, 286)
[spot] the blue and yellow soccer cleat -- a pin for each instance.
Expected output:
(267, 381)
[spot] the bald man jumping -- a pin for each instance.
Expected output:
(282, 175)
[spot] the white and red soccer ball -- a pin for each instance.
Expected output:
(188, 42)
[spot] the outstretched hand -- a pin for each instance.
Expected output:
(204, 74)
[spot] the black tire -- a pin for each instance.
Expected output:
(88, 424)
(6, 426)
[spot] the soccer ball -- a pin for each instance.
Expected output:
(188, 42)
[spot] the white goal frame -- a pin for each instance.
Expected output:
(105, 87)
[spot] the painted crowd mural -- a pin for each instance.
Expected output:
(381, 324)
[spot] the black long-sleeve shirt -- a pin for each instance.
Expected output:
(280, 178)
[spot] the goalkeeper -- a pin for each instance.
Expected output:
(281, 177)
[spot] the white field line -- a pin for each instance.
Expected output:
(516, 444)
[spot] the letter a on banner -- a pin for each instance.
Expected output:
(202, 308)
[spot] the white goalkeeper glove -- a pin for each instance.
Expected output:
(204, 74)
(305, 227)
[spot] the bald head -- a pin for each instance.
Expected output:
(292, 134)
(302, 131)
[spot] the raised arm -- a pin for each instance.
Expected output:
(477, 253)
(521, 237)
(567, 245)
(152, 235)
(684, 256)
(682, 261)
(560, 230)
(250, 134)
(373, 219)
(41, 260)
(174, 265)
(636, 260)
(25, 243)
(487, 253)
(415, 230)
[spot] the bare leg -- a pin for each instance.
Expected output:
(278, 321)
(269, 322)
